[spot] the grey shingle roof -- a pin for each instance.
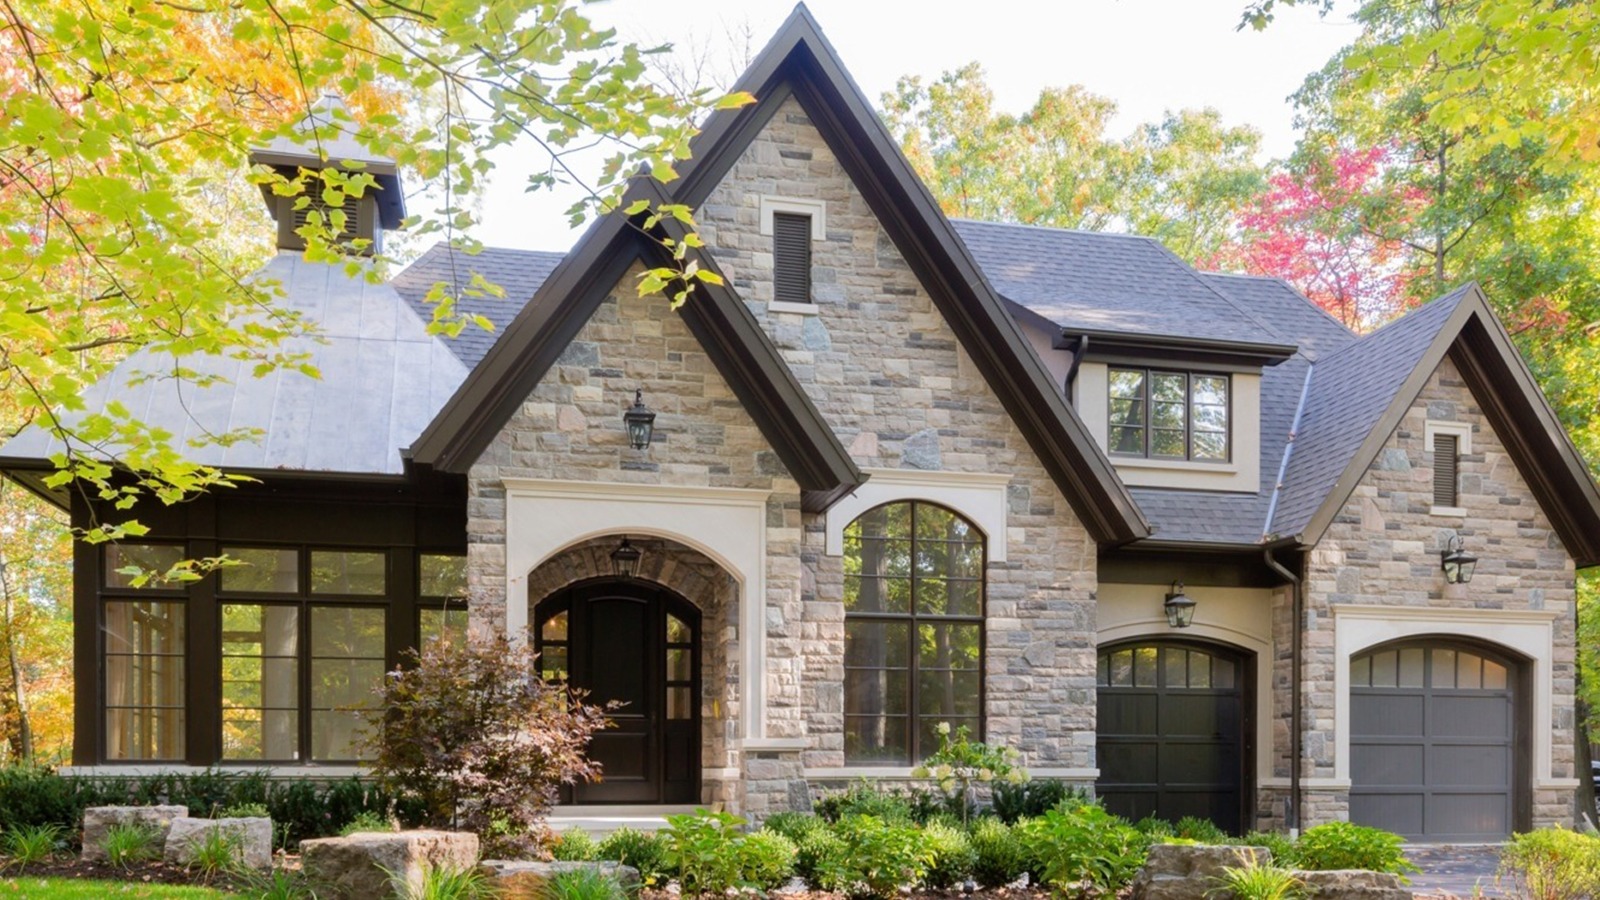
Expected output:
(1287, 311)
(519, 272)
(1106, 282)
(383, 377)
(1350, 390)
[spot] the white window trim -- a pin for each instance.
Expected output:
(1357, 628)
(1463, 435)
(980, 498)
(816, 209)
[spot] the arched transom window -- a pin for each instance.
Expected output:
(913, 599)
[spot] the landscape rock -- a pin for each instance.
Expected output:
(98, 820)
(1189, 871)
(525, 880)
(1354, 884)
(254, 835)
(356, 867)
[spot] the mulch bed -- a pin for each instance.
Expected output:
(155, 872)
(1005, 893)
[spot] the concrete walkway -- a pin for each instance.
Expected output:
(1456, 870)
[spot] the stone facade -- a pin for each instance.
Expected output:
(886, 372)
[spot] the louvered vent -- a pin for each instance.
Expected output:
(352, 212)
(1446, 461)
(791, 258)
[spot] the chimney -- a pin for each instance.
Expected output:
(367, 217)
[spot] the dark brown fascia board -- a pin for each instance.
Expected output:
(800, 60)
(31, 475)
(1520, 414)
(1237, 353)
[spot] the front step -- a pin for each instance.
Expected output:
(600, 821)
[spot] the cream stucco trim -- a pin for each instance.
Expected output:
(804, 206)
(1526, 632)
(1462, 431)
(978, 496)
(903, 773)
(140, 770)
(544, 517)
(784, 306)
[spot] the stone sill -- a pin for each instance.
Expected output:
(1175, 465)
(1453, 511)
(784, 306)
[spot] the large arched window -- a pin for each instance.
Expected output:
(913, 654)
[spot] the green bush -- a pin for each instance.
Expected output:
(1553, 864)
(575, 845)
(999, 859)
(703, 851)
(1252, 882)
(219, 851)
(1284, 851)
(766, 859)
(952, 855)
(1031, 799)
(865, 799)
(1202, 831)
(583, 884)
(30, 845)
(1342, 845)
(874, 857)
(243, 811)
(811, 849)
(125, 845)
(1083, 847)
(794, 825)
(366, 821)
(645, 852)
(1155, 828)
(443, 883)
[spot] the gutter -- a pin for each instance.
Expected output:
(1079, 348)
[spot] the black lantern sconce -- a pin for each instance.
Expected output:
(1179, 607)
(625, 559)
(1458, 565)
(641, 422)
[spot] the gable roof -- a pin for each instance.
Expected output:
(1289, 313)
(518, 272)
(799, 62)
(1359, 393)
(727, 331)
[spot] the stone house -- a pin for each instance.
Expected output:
(1178, 536)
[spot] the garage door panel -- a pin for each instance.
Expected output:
(1195, 763)
(1481, 765)
(1205, 715)
(1470, 814)
(1480, 717)
(1400, 812)
(1389, 764)
(1129, 714)
(1126, 763)
(1387, 715)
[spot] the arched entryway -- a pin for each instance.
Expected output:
(636, 643)
(1438, 740)
(1173, 732)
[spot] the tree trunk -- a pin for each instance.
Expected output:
(19, 692)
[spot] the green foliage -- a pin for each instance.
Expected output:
(442, 740)
(1284, 851)
(575, 845)
(276, 884)
(30, 844)
(874, 857)
(1253, 882)
(1082, 848)
(583, 884)
(864, 798)
(1552, 864)
(1342, 845)
(703, 851)
(366, 821)
(766, 859)
(953, 857)
(86, 889)
(961, 764)
(1155, 828)
(244, 811)
(645, 852)
(1000, 858)
(219, 851)
(1032, 798)
(1203, 831)
(130, 843)
(443, 883)
(811, 848)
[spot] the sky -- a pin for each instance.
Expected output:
(1149, 56)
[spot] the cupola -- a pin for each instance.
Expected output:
(367, 217)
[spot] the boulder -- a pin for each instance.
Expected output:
(97, 820)
(357, 867)
(253, 833)
(525, 880)
(1188, 871)
(1354, 884)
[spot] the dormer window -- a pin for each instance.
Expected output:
(1158, 414)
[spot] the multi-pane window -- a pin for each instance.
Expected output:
(303, 647)
(1168, 415)
(914, 604)
(442, 600)
(144, 680)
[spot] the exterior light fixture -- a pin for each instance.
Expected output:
(1458, 565)
(625, 559)
(641, 422)
(1179, 607)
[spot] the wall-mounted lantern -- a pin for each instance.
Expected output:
(1458, 565)
(1179, 607)
(641, 422)
(625, 559)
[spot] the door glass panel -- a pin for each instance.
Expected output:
(1221, 672)
(1102, 670)
(1411, 667)
(1144, 667)
(1361, 671)
(553, 663)
(1383, 669)
(1494, 676)
(555, 627)
(677, 631)
(680, 705)
(1469, 671)
(144, 686)
(679, 665)
(1122, 668)
(1177, 668)
(1199, 669)
(1444, 668)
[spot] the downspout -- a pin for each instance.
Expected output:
(1079, 347)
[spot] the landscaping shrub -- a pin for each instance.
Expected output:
(766, 859)
(1284, 851)
(794, 825)
(125, 845)
(703, 851)
(1252, 882)
(874, 857)
(29, 845)
(366, 821)
(961, 764)
(1341, 845)
(218, 852)
(811, 848)
(998, 857)
(583, 884)
(1202, 831)
(243, 811)
(575, 845)
(1155, 829)
(443, 883)
(952, 855)
(277, 884)
(1083, 847)
(865, 799)
(1031, 799)
(1553, 864)
(645, 852)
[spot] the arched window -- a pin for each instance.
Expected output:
(913, 648)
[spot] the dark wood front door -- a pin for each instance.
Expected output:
(1173, 732)
(636, 644)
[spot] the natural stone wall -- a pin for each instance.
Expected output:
(886, 372)
(1383, 549)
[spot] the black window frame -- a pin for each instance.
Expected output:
(913, 619)
(107, 593)
(435, 602)
(1148, 374)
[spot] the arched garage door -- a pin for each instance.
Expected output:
(1171, 734)
(1434, 754)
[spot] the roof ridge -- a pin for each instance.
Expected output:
(1437, 303)
(1054, 229)
(1196, 275)
(1300, 295)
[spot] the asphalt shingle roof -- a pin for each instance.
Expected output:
(519, 272)
(1288, 312)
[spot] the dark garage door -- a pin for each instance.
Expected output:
(1170, 741)
(1432, 749)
